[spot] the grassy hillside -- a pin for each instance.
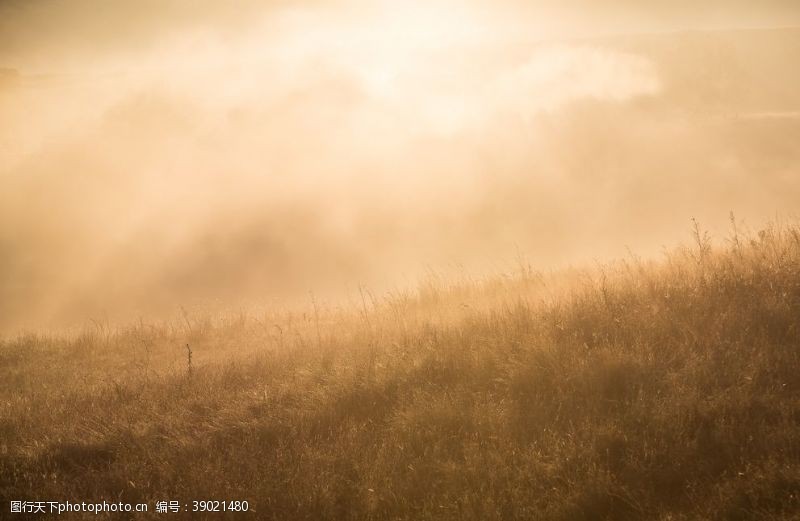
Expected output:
(640, 390)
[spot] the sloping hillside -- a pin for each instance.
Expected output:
(642, 390)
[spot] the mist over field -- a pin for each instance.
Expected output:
(157, 156)
(426, 260)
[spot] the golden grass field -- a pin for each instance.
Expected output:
(664, 389)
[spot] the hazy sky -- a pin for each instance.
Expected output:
(64, 34)
(162, 153)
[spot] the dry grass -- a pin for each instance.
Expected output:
(642, 390)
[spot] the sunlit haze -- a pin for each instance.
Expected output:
(155, 155)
